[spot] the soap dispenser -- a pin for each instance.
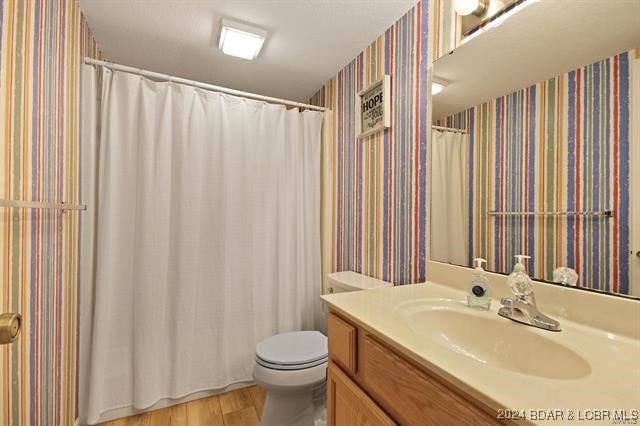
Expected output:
(518, 280)
(478, 296)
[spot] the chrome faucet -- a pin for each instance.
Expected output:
(523, 307)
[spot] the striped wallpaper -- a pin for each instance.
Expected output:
(41, 43)
(379, 182)
(562, 144)
(445, 28)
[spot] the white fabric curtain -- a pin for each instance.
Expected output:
(202, 237)
(449, 198)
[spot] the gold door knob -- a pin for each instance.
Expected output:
(9, 327)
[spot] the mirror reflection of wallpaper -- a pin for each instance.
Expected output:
(559, 145)
(445, 29)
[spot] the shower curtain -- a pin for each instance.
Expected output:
(202, 237)
(449, 195)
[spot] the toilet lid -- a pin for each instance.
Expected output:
(296, 348)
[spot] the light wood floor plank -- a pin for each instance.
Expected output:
(175, 415)
(236, 400)
(179, 415)
(205, 411)
(258, 396)
(245, 417)
(143, 419)
(161, 417)
(241, 407)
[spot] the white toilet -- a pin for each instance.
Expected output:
(292, 367)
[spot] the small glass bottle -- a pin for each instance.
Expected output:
(518, 280)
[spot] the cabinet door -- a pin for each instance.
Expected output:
(348, 405)
(343, 340)
(409, 394)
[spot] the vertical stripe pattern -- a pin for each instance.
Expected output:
(562, 144)
(380, 181)
(445, 28)
(41, 45)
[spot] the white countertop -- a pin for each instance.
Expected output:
(612, 384)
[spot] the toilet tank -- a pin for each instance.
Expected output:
(339, 282)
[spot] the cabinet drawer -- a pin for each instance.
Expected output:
(343, 340)
(348, 405)
(410, 395)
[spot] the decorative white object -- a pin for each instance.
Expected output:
(241, 40)
(373, 109)
(565, 276)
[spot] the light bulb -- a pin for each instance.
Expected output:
(467, 7)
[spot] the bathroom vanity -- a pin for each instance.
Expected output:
(368, 378)
(418, 355)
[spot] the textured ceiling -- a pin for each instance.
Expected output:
(308, 42)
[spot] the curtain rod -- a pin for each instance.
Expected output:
(169, 78)
(449, 129)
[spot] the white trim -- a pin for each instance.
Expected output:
(634, 180)
(170, 78)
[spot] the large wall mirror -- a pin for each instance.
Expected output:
(535, 145)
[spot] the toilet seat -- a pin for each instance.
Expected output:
(275, 366)
(297, 350)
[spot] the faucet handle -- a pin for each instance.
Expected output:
(505, 301)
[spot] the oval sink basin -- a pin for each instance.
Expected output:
(495, 341)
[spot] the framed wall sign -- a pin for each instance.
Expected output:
(373, 111)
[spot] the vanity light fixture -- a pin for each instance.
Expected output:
(467, 7)
(241, 40)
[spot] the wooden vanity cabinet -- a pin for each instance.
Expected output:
(347, 404)
(370, 383)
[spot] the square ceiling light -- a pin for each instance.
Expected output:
(438, 85)
(241, 40)
(436, 88)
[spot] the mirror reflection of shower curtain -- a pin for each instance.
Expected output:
(449, 198)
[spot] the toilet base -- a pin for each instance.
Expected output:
(300, 409)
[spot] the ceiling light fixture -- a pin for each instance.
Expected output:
(437, 85)
(436, 88)
(467, 7)
(241, 40)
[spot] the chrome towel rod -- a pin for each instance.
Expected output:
(449, 129)
(20, 204)
(602, 213)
